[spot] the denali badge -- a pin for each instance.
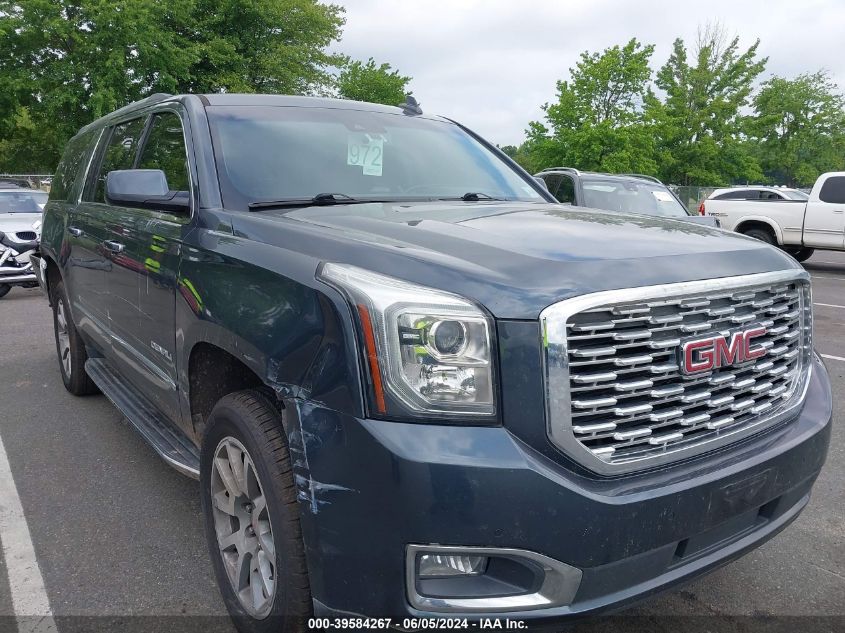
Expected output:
(705, 354)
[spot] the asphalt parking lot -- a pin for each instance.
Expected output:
(117, 533)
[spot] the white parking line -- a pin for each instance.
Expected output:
(829, 357)
(829, 305)
(29, 597)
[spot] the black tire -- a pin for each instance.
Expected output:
(250, 418)
(4, 290)
(801, 254)
(73, 373)
(764, 235)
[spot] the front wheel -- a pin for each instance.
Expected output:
(761, 234)
(4, 290)
(251, 516)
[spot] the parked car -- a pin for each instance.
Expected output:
(410, 383)
(11, 181)
(797, 222)
(20, 217)
(625, 193)
(15, 264)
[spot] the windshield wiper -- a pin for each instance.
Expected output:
(474, 196)
(320, 200)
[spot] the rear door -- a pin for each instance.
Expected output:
(91, 264)
(824, 220)
(101, 222)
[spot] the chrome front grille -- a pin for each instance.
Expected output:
(618, 399)
(26, 236)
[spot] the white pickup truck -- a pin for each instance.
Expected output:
(788, 218)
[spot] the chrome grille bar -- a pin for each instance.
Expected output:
(616, 398)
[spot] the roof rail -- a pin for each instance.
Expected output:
(644, 177)
(153, 98)
(572, 169)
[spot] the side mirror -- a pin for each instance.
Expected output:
(145, 189)
(542, 182)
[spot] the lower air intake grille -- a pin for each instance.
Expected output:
(643, 376)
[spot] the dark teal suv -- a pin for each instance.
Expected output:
(413, 386)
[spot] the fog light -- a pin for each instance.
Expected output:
(449, 578)
(439, 565)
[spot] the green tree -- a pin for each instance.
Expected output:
(361, 81)
(700, 126)
(64, 63)
(598, 120)
(799, 128)
(275, 46)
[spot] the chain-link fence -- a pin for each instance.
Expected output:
(33, 181)
(692, 195)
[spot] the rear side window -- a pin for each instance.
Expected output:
(561, 187)
(741, 194)
(552, 182)
(731, 195)
(566, 192)
(164, 149)
(119, 154)
(73, 163)
(833, 190)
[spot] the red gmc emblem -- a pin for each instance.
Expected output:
(713, 352)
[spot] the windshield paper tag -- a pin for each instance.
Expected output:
(365, 151)
(662, 196)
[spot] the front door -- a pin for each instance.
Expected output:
(156, 248)
(824, 220)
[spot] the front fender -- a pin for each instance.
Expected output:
(263, 305)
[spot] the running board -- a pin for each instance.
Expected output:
(173, 446)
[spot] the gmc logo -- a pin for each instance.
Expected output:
(713, 352)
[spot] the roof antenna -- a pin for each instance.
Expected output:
(411, 107)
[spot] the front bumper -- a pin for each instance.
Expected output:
(370, 488)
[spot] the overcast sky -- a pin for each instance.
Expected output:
(491, 63)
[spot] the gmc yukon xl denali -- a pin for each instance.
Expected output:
(412, 385)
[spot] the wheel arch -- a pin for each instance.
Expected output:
(212, 370)
(52, 276)
(750, 222)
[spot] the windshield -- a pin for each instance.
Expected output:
(283, 153)
(23, 201)
(794, 194)
(632, 196)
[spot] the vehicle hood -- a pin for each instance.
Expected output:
(14, 222)
(514, 258)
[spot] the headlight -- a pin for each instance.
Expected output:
(428, 352)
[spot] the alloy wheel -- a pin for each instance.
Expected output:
(242, 525)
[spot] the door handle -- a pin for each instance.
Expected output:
(839, 210)
(74, 231)
(114, 247)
